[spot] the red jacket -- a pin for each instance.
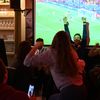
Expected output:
(9, 93)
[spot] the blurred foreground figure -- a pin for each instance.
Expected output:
(7, 92)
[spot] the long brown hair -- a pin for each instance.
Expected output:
(65, 59)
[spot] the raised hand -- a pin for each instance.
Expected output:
(65, 20)
(84, 19)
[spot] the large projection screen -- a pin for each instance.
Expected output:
(49, 18)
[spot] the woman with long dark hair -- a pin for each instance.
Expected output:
(65, 66)
(22, 76)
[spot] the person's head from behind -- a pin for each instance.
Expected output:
(77, 39)
(23, 50)
(61, 40)
(39, 43)
(66, 63)
(3, 72)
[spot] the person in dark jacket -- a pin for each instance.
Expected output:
(79, 42)
(23, 75)
(6, 91)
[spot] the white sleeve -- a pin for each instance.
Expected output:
(35, 60)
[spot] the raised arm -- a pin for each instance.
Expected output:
(40, 60)
(86, 37)
(28, 58)
(66, 28)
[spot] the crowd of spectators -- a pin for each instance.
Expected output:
(65, 70)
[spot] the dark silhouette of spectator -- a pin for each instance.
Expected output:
(23, 75)
(3, 55)
(94, 83)
(94, 56)
(65, 66)
(7, 92)
(93, 60)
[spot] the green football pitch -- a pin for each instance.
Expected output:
(49, 20)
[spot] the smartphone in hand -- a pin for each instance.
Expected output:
(31, 90)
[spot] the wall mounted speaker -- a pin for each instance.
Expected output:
(15, 4)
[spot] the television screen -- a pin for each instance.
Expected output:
(49, 16)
